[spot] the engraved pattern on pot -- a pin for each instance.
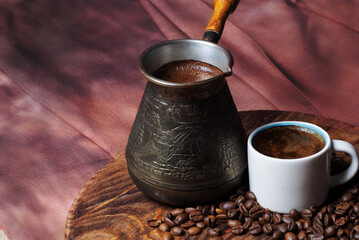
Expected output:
(187, 141)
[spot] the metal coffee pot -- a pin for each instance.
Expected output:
(187, 144)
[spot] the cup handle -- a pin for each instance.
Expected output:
(343, 177)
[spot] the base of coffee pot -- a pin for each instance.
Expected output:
(187, 195)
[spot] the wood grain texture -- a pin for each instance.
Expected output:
(111, 207)
(221, 10)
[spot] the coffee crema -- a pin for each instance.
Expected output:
(288, 142)
(185, 71)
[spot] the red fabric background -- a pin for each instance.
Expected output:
(70, 86)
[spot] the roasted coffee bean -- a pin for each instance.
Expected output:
(232, 213)
(201, 225)
(302, 235)
(256, 212)
(255, 228)
(243, 209)
(313, 209)
(188, 224)
(167, 236)
(342, 221)
(348, 228)
(214, 231)
(318, 226)
(205, 210)
(261, 221)
(233, 223)
(342, 208)
(255, 209)
(283, 227)
(248, 219)
(177, 211)
(293, 213)
(292, 227)
(340, 232)
(310, 230)
(354, 189)
(330, 209)
(221, 217)
(277, 235)
(277, 218)
(154, 222)
(267, 217)
(299, 225)
(334, 217)
(199, 208)
(350, 211)
(267, 228)
(227, 205)
(250, 195)
(330, 231)
(240, 199)
(307, 213)
(327, 220)
(267, 210)
(240, 217)
(318, 231)
(196, 216)
(249, 204)
(220, 211)
(353, 217)
(354, 234)
(287, 218)
(177, 231)
(290, 236)
(180, 218)
(323, 210)
(356, 208)
(307, 223)
(194, 231)
(247, 223)
(190, 209)
(169, 221)
(315, 237)
(320, 216)
(163, 227)
(238, 230)
(347, 197)
(212, 209)
(209, 220)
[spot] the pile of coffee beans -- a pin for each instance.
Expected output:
(241, 214)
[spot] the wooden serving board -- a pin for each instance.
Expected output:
(110, 206)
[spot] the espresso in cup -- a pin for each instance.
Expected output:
(288, 142)
(289, 165)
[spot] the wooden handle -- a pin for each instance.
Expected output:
(222, 8)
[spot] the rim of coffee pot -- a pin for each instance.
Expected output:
(205, 50)
(185, 49)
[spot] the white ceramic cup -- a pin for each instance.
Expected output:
(284, 184)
